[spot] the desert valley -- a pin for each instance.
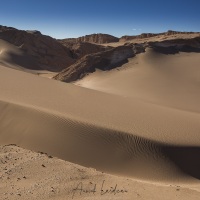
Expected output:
(99, 117)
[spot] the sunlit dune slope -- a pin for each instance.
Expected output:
(169, 80)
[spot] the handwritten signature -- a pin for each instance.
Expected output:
(92, 188)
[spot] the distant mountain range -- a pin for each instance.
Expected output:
(74, 57)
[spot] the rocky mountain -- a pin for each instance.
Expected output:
(149, 35)
(103, 60)
(98, 38)
(46, 52)
(143, 35)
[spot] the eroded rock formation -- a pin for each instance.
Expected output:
(80, 49)
(103, 60)
(98, 38)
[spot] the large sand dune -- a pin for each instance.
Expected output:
(116, 134)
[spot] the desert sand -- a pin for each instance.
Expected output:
(29, 175)
(133, 130)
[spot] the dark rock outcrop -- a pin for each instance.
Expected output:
(98, 38)
(80, 49)
(137, 48)
(171, 32)
(104, 60)
(176, 45)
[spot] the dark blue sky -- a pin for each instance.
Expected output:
(73, 18)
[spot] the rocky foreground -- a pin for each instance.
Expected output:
(29, 175)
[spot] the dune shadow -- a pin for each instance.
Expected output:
(187, 159)
(26, 61)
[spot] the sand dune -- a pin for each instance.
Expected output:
(138, 139)
(86, 144)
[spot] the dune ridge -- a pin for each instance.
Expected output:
(115, 152)
(84, 104)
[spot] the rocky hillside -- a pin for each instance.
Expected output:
(74, 58)
(103, 60)
(116, 56)
(46, 51)
(94, 38)
(80, 49)
(177, 45)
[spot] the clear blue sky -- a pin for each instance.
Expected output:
(73, 18)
